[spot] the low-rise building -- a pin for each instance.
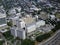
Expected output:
(40, 23)
(14, 10)
(3, 23)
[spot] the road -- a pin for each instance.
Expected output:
(54, 40)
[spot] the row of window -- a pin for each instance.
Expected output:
(2, 21)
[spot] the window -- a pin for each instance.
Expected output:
(2, 21)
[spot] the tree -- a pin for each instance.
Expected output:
(0, 1)
(57, 27)
(43, 37)
(9, 23)
(1, 42)
(8, 35)
(27, 42)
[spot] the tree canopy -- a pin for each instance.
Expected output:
(27, 42)
(42, 37)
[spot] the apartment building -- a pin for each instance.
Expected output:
(2, 18)
(25, 25)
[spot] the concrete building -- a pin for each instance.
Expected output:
(2, 18)
(52, 17)
(40, 23)
(12, 10)
(22, 24)
(21, 28)
(35, 9)
(28, 19)
(18, 33)
(31, 28)
(15, 10)
(14, 20)
(21, 34)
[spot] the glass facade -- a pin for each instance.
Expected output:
(2, 21)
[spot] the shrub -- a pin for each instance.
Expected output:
(9, 23)
(8, 35)
(42, 37)
(1, 42)
(57, 27)
(27, 42)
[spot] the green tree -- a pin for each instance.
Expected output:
(43, 37)
(57, 27)
(9, 23)
(1, 42)
(27, 42)
(8, 35)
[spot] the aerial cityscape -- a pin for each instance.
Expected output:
(29, 22)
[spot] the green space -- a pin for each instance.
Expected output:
(8, 35)
(9, 23)
(39, 38)
(13, 40)
(42, 37)
(57, 27)
(45, 36)
(27, 42)
(1, 42)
